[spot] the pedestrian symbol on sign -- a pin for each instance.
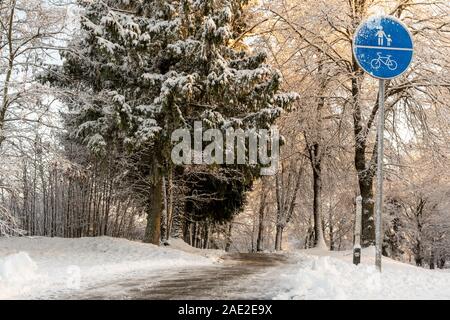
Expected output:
(382, 36)
(389, 40)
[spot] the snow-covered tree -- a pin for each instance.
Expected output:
(141, 69)
(417, 225)
(299, 34)
(29, 32)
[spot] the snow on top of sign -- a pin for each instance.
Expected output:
(377, 12)
(374, 22)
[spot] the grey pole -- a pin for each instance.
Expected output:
(379, 200)
(357, 232)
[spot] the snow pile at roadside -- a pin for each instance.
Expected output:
(331, 275)
(179, 244)
(16, 270)
(35, 266)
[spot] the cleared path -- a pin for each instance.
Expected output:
(238, 277)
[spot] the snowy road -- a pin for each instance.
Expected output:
(108, 268)
(224, 281)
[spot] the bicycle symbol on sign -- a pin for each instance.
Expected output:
(387, 61)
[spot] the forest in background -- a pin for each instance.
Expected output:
(90, 92)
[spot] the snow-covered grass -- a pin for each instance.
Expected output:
(37, 266)
(318, 274)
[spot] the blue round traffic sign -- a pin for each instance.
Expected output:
(383, 47)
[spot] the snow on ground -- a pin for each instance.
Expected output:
(179, 244)
(37, 266)
(318, 274)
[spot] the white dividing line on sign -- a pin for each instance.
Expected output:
(384, 48)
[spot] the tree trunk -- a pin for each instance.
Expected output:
(432, 261)
(260, 239)
(164, 216)
(319, 240)
(177, 224)
(262, 209)
(170, 206)
(9, 71)
(188, 232)
(331, 230)
(154, 211)
(364, 170)
(228, 238)
(418, 257)
(198, 235)
(309, 239)
(432, 254)
(441, 262)
(418, 250)
(368, 223)
(279, 238)
(206, 235)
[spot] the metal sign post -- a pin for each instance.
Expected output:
(383, 48)
(380, 154)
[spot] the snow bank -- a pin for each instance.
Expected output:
(15, 271)
(17, 268)
(317, 275)
(38, 266)
(179, 244)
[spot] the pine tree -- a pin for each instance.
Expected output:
(144, 68)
